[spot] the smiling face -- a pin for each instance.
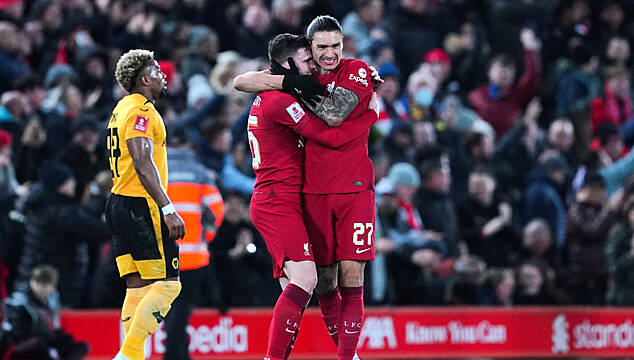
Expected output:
(327, 48)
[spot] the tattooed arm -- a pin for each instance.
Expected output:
(334, 109)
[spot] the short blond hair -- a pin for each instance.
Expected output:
(130, 66)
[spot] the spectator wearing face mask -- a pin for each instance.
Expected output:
(425, 85)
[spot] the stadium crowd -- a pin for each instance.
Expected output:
(501, 154)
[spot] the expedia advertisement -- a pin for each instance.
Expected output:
(400, 333)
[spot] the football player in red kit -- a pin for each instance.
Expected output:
(275, 123)
(338, 190)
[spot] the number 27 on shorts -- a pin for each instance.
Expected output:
(360, 230)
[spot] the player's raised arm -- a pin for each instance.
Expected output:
(306, 87)
(141, 150)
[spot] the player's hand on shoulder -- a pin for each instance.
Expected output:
(175, 225)
(376, 78)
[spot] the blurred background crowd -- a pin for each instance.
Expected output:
(501, 153)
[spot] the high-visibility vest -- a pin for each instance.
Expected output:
(200, 205)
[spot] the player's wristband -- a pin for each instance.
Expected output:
(168, 209)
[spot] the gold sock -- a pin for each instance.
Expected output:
(133, 297)
(148, 315)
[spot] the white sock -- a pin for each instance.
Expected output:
(120, 356)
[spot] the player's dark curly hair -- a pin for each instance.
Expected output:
(325, 23)
(130, 66)
(283, 46)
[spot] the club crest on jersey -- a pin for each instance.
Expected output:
(330, 87)
(141, 123)
(295, 111)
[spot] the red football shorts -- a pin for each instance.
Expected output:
(340, 226)
(278, 218)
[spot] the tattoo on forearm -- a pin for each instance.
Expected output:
(339, 104)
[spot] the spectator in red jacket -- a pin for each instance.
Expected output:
(500, 102)
(615, 105)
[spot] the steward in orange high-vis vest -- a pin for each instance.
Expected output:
(198, 201)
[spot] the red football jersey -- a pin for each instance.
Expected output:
(275, 123)
(348, 168)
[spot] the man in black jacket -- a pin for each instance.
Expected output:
(31, 326)
(433, 201)
(57, 232)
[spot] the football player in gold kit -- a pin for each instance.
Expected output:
(142, 219)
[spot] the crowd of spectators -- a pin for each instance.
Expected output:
(501, 153)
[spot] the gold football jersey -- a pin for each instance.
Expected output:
(134, 116)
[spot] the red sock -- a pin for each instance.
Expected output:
(291, 345)
(329, 305)
(350, 320)
(286, 317)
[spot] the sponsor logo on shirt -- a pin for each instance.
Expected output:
(362, 73)
(141, 123)
(358, 78)
(295, 111)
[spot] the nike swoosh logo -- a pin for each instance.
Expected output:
(359, 251)
(332, 333)
(290, 331)
(126, 319)
(144, 109)
(351, 332)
